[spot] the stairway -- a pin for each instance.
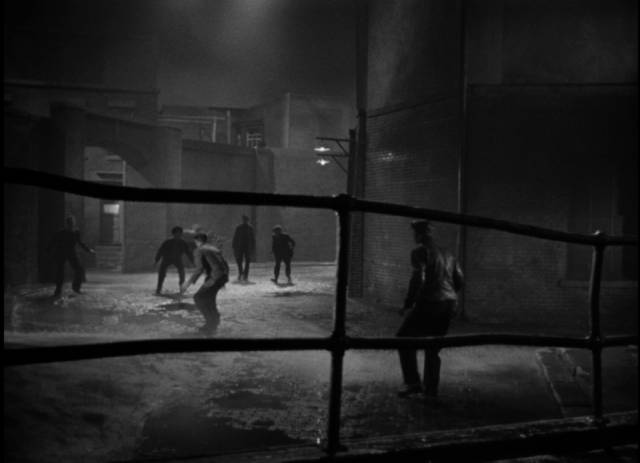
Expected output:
(109, 257)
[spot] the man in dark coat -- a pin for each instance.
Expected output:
(211, 263)
(282, 247)
(430, 305)
(63, 247)
(244, 245)
(171, 252)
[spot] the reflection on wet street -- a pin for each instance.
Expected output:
(185, 405)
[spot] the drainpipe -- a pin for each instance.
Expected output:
(286, 126)
(463, 150)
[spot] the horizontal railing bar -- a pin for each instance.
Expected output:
(162, 195)
(484, 222)
(48, 354)
(613, 341)
(92, 189)
(466, 340)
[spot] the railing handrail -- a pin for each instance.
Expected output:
(50, 354)
(168, 195)
(339, 341)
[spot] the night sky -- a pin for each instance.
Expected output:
(222, 52)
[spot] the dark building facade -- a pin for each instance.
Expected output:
(515, 110)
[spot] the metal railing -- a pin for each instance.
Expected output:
(338, 343)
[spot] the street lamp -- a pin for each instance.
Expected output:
(323, 152)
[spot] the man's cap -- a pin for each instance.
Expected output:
(277, 227)
(422, 226)
(177, 229)
(245, 217)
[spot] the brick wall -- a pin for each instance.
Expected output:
(412, 152)
(531, 143)
(212, 166)
(20, 202)
(296, 172)
(412, 160)
(529, 148)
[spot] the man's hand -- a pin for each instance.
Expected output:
(92, 251)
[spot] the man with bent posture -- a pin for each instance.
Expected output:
(429, 306)
(171, 252)
(209, 261)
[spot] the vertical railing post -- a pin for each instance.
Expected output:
(595, 335)
(339, 327)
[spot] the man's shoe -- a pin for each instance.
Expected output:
(77, 290)
(410, 390)
(274, 280)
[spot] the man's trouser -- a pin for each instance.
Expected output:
(426, 319)
(78, 272)
(243, 257)
(205, 299)
(162, 272)
(287, 265)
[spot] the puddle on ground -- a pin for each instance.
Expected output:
(185, 431)
(244, 399)
(177, 306)
(45, 313)
(291, 293)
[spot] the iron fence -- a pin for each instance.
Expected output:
(338, 342)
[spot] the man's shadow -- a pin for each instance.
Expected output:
(243, 282)
(284, 285)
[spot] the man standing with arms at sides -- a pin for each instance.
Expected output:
(244, 245)
(171, 252)
(430, 305)
(63, 244)
(282, 247)
(209, 261)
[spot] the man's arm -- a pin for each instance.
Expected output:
(82, 245)
(160, 252)
(415, 281)
(196, 274)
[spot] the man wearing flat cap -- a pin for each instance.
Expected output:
(428, 308)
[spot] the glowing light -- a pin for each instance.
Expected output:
(321, 149)
(323, 161)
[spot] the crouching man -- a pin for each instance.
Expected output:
(209, 261)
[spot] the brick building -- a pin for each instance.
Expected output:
(516, 110)
(87, 118)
